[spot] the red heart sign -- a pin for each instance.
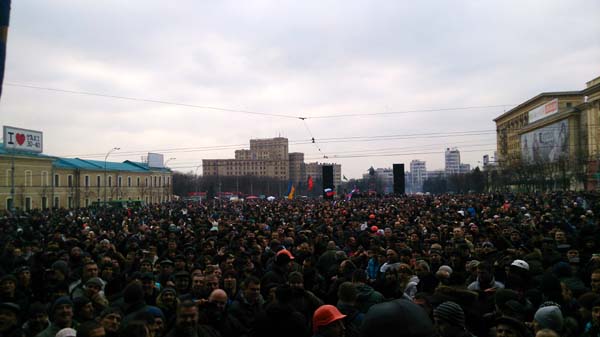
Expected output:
(20, 138)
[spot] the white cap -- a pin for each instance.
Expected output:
(66, 332)
(520, 264)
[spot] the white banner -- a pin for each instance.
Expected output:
(23, 139)
(543, 111)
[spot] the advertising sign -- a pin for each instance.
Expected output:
(547, 144)
(23, 139)
(543, 111)
(156, 160)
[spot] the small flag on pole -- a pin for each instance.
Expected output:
(291, 191)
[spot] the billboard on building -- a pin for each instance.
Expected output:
(156, 160)
(543, 111)
(547, 144)
(23, 139)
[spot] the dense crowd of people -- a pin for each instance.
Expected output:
(448, 265)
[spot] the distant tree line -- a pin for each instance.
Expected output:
(184, 183)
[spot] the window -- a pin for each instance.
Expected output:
(44, 203)
(70, 202)
(28, 179)
(146, 183)
(160, 181)
(98, 180)
(70, 180)
(87, 202)
(28, 203)
(154, 184)
(120, 181)
(128, 181)
(168, 181)
(109, 181)
(87, 181)
(9, 204)
(56, 202)
(45, 178)
(56, 182)
(138, 181)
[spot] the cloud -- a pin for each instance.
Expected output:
(291, 58)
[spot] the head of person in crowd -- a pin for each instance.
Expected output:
(89, 270)
(296, 281)
(136, 329)
(251, 289)
(8, 286)
(347, 294)
(66, 332)
(160, 322)
(149, 321)
(507, 326)
(198, 287)
(230, 283)
(548, 317)
(595, 281)
(218, 298)
(110, 319)
(23, 275)
(83, 309)
(449, 319)
(166, 267)
(212, 282)
(182, 281)
(327, 321)
(9, 318)
(61, 312)
(397, 318)
(167, 298)
(187, 317)
(91, 329)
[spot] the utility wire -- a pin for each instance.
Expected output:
(87, 93)
(267, 114)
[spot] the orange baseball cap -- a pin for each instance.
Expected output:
(285, 252)
(325, 315)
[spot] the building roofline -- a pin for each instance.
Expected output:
(533, 99)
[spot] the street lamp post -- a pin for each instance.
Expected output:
(105, 181)
(165, 187)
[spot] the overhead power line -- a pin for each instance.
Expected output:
(258, 113)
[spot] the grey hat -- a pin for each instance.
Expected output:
(451, 313)
(549, 317)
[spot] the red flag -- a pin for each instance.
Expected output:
(310, 183)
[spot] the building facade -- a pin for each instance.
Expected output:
(554, 129)
(452, 161)
(37, 181)
(265, 158)
(418, 174)
(315, 170)
(269, 158)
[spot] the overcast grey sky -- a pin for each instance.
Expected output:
(296, 58)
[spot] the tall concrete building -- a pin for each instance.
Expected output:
(418, 174)
(315, 170)
(452, 161)
(269, 158)
(297, 168)
(265, 158)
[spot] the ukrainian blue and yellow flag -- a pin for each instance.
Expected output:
(291, 191)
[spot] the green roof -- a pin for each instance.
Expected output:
(87, 164)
